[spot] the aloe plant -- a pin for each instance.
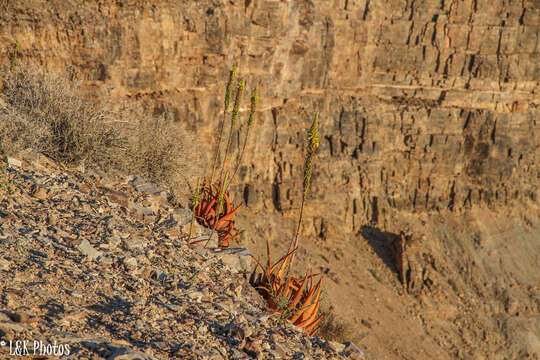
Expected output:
(295, 299)
(214, 209)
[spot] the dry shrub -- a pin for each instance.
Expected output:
(47, 113)
(16, 131)
(160, 150)
(44, 113)
(334, 330)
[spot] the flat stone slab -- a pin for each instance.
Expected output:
(238, 259)
(88, 250)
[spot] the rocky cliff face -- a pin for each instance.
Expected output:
(424, 105)
(428, 110)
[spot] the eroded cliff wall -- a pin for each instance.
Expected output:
(424, 105)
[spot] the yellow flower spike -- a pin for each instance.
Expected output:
(313, 134)
(254, 100)
(228, 91)
(237, 100)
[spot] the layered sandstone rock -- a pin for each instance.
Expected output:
(424, 106)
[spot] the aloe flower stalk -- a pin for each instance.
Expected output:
(254, 100)
(228, 92)
(236, 108)
(313, 144)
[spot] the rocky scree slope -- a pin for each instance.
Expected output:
(101, 266)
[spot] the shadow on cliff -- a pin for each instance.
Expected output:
(381, 242)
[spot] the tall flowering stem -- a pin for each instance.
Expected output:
(254, 100)
(228, 92)
(239, 92)
(313, 144)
